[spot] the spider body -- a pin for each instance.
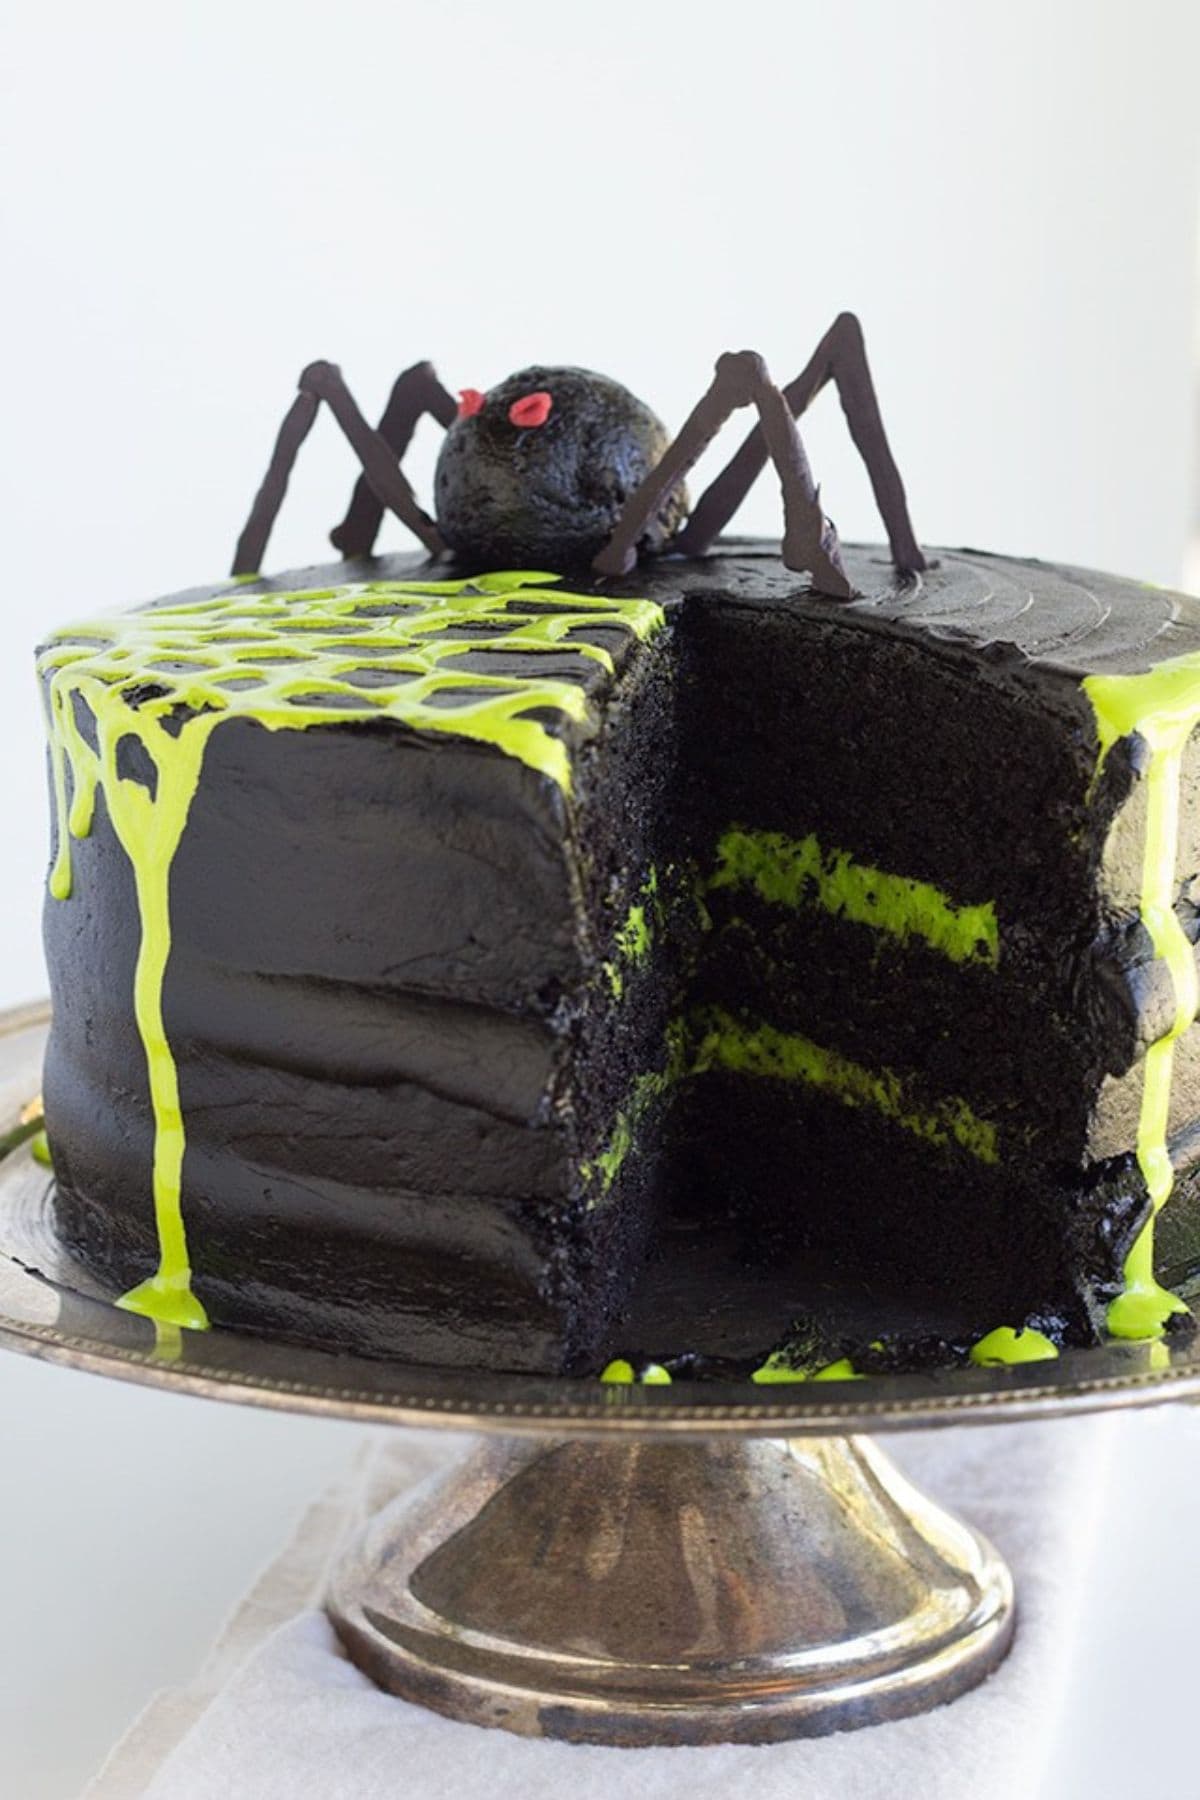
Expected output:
(544, 486)
(559, 468)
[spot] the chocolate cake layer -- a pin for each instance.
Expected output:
(822, 933)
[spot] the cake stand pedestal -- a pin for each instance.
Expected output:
(745, 1590)
(684, 1564)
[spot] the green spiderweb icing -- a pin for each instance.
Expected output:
(168, 677)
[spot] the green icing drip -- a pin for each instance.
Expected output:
(1004, 1345)
(169, 676)
(168, 1341)
(149, 830)
(762, 1050)
(777, 1369)
(620, 1373)
(794, 871)
(1163, 708)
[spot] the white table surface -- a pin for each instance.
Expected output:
(133, 1521)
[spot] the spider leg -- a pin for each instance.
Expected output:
(323, 381)
(841, 356)
(252, 545)
(809, 541)
(416, 392)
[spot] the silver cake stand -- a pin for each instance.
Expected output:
(684, 1564)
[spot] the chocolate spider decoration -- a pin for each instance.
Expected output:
(557, 468)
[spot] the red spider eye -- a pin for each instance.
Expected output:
(469, 402)
(530, 410)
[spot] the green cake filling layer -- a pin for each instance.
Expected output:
(633, 938)
(794, 872)
(711, 1038)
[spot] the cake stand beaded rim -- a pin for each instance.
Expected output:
(88, 1333)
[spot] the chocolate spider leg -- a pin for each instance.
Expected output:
(841, 356)
(809, 540)
(323, 381)
(252, 545)
(416, 392)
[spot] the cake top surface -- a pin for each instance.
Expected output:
(1079, 622)
(473, 657)
(521, 660)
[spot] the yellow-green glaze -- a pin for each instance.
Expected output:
(39, 1149)
(793, 872)
(777, 1369)
(168, 1341)
(1163, 708)
(842, 1370)
(620, 1373)
(168, 677)
(1004, 1345)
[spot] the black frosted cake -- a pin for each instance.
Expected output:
(488, 967)
(801, 948)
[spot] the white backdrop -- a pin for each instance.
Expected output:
(203, 196)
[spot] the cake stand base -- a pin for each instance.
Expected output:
(677, 1592)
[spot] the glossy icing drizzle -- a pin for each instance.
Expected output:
(164, 679)
(1163, 708)
(621, 1373)
(1004, 1345)
(778, 1368)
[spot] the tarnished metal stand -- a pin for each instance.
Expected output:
(607, 1592)
(646, 1564)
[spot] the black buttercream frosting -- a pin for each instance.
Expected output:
(448, 1064)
